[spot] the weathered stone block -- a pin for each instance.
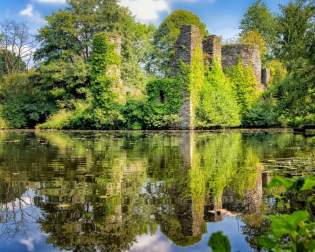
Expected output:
(212, 49)
(249, 54)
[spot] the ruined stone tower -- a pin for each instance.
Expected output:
(211, 47)
(187, 43)
(248, 53)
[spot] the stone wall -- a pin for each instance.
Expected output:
(188, 41)
(248, 53)
(212, 49)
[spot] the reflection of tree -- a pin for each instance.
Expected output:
(99, 208)
(98, 191)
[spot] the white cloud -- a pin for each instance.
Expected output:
(150, 10)
(146, 10)
(153, 243)
(33, 19)
(52, 1)
(28, 11)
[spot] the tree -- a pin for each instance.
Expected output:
(16, 47)
(69, 33)
(295, 40)
(165, 39)
(295, 34)
(259, 18)
(23, 104)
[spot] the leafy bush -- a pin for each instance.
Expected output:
(165, 98)
(244, 85)
(23, 103)
(294, 231)
(79, 118)
(263, 113)
(217, 104)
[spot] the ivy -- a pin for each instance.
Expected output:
(103, 61)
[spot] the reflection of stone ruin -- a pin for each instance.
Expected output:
(228, 55)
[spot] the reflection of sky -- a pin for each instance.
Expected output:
(30, 238)
(23, 234)
(231, 226)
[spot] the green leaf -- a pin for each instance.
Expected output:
(309, 183)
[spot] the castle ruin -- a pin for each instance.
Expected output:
(226, 55)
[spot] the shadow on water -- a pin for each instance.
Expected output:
(140, 191)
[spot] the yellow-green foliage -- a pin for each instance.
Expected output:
(3, 122)
(104, 60)
(278, 71)
(244, 85)
(60, 120)
(254, 37)
(67, 119)
(217, 104)
(196, 79)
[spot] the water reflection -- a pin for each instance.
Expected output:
(118, 191)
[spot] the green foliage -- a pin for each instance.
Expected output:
(244, 85)
(64, 82)
(217, 102)
(10, 63)
(165, 38)
(290, 232)
(295, 231)
(263, 113)
(165, 98)
(23, 104)
(77, 118)
(296, 95)
(70, 32)
(278, 71)
(258, 17)
(254, 37)
(104, 59)
(219, 242)
(295, 33)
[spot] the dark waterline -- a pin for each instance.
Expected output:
(141, 191)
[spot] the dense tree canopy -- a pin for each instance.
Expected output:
(258, 17)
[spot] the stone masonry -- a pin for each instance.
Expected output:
(248, 53)
(212, 49)
(227, 55)
(188, 41)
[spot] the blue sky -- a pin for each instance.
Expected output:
(222, 17)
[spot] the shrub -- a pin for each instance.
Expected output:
(23, 104)
(244, 85)
(217, 104)
(165, 98)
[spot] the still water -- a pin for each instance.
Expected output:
(140, 191)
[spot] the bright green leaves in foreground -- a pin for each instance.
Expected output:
(295, 231)
(290, 232)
